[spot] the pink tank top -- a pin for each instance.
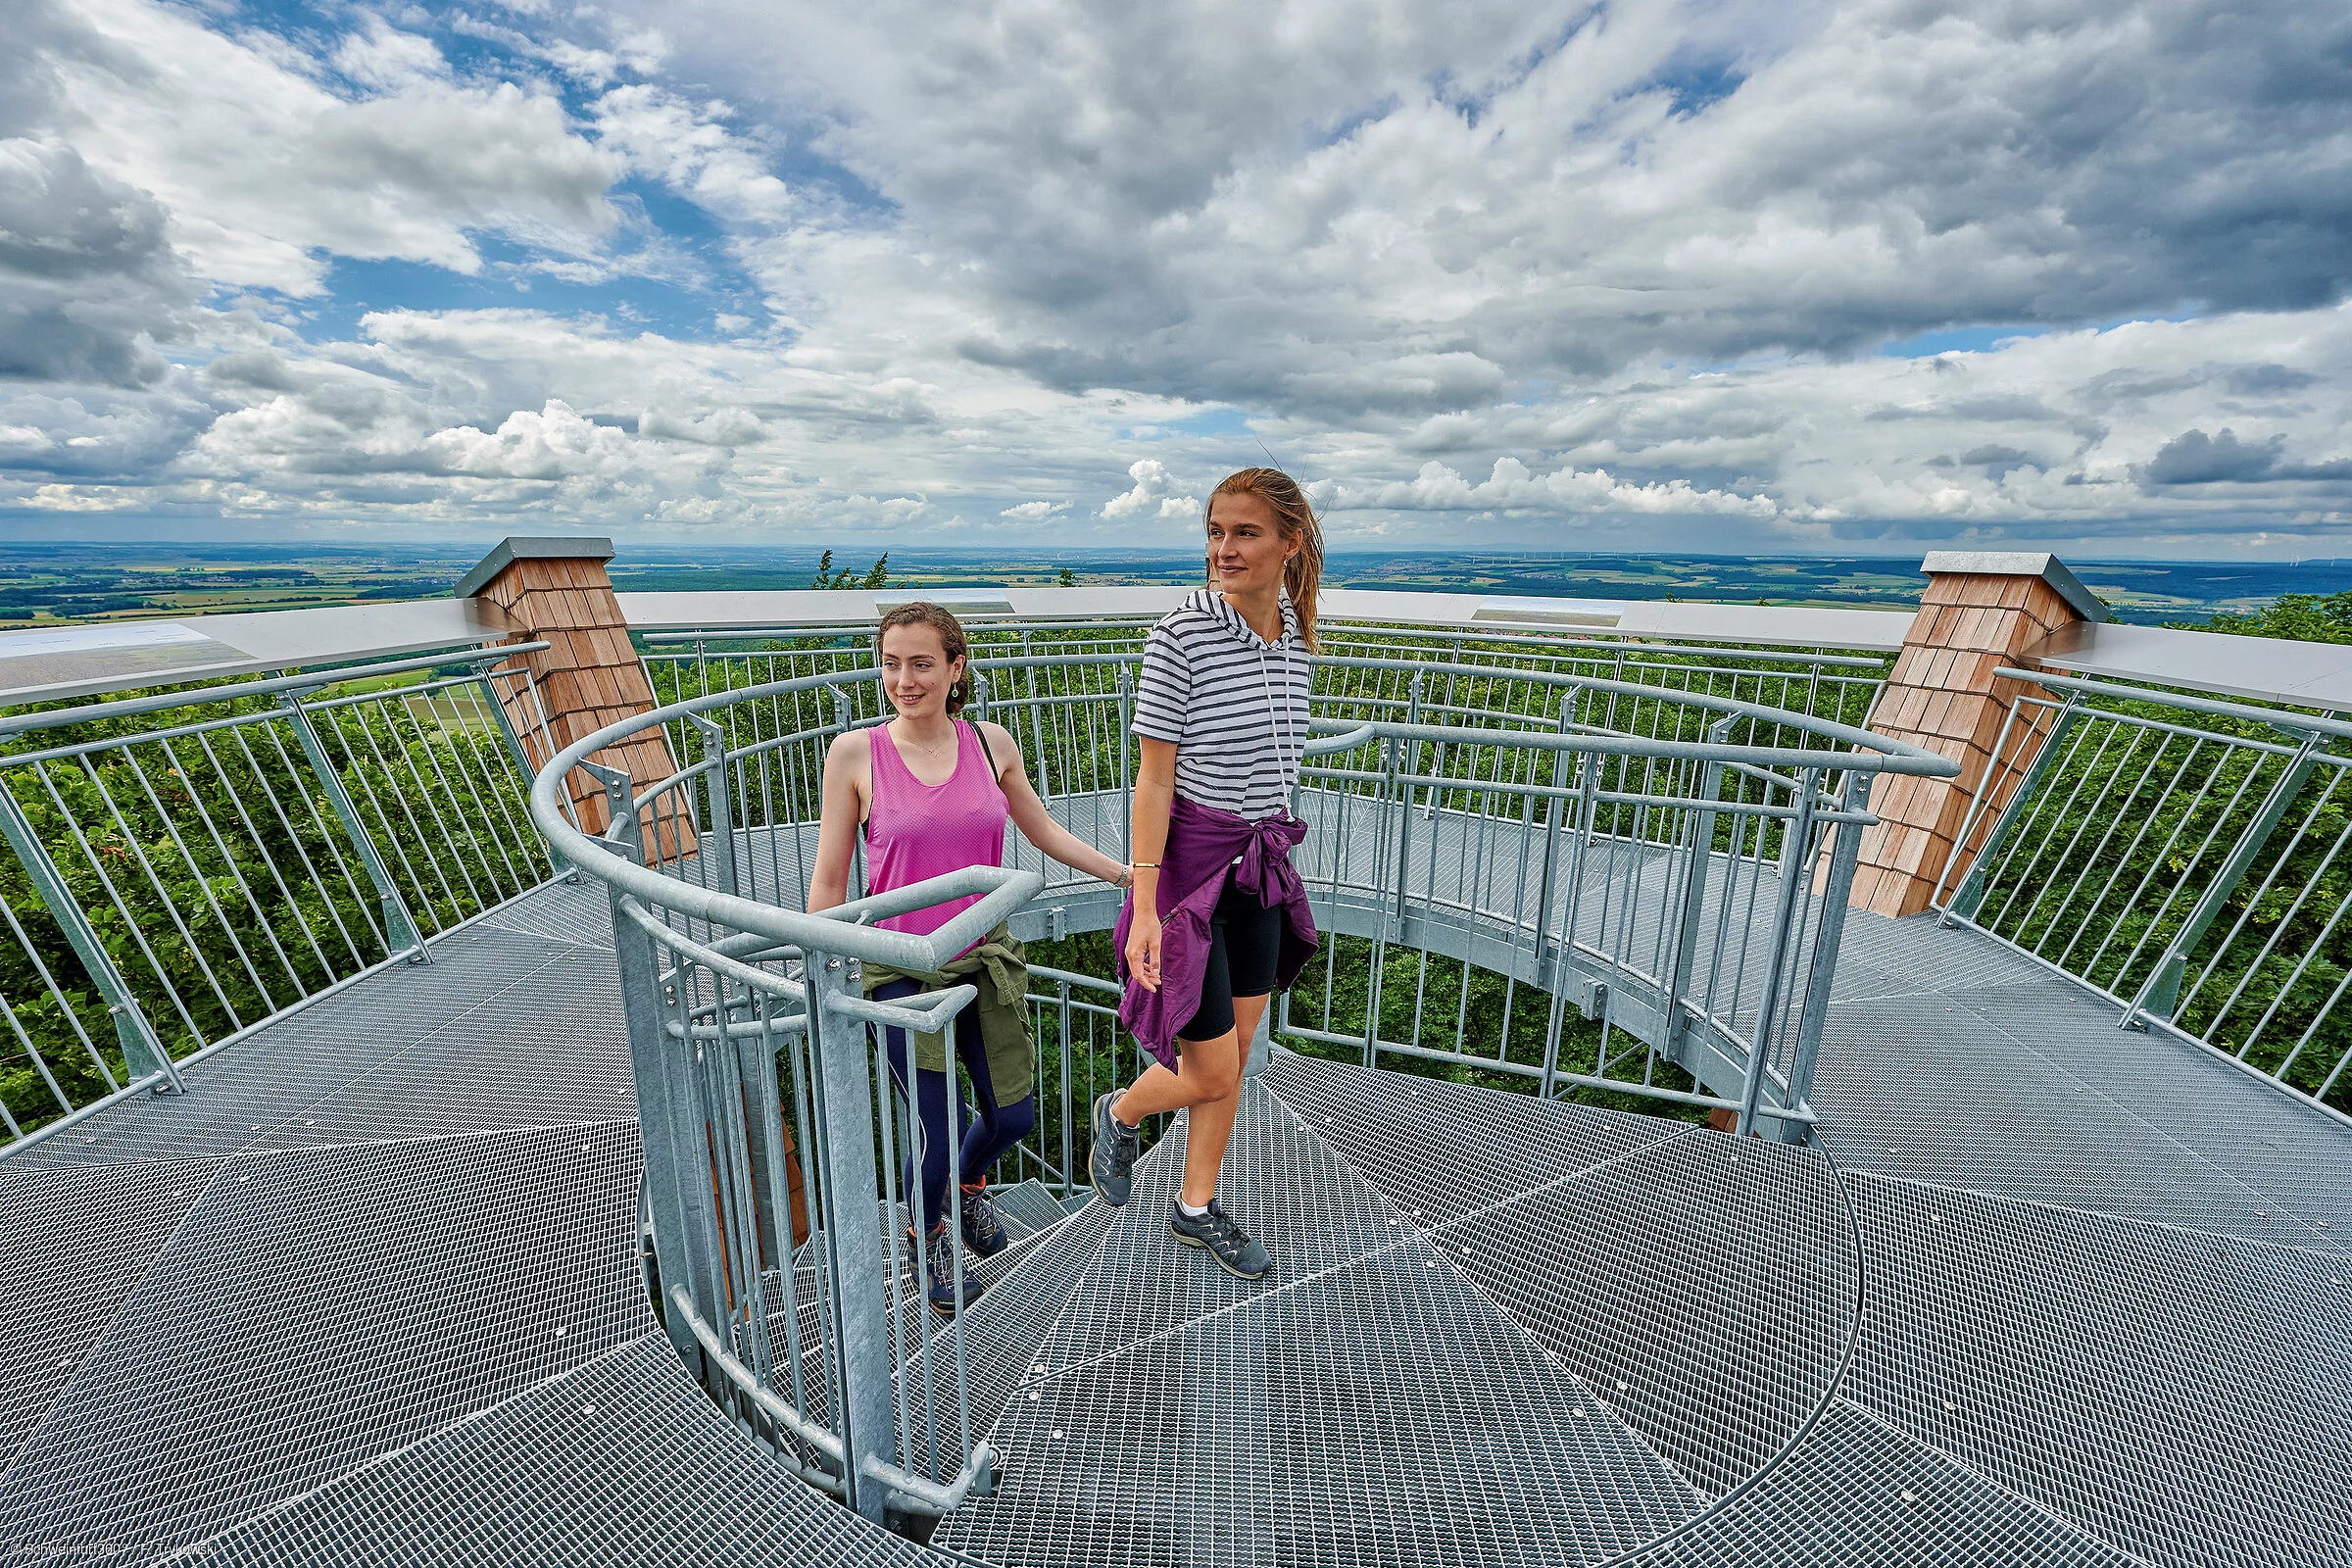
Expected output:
(914, 831)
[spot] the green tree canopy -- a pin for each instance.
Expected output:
(2306, 618)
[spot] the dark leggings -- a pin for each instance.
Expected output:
(989, 1129)
(1245, 949)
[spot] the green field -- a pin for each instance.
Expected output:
(49, 583)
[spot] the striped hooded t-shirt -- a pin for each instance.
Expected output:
(1234, 704)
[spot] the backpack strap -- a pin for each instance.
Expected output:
(981, 735)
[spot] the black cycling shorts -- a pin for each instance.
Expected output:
(1245, 949)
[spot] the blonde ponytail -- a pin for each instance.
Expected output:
(1302, 573)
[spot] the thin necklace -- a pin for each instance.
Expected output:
(936, 748)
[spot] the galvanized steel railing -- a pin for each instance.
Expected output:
(1838, 687)
(173, 886)
(784, 1280)
(2189, 858)
(1675, 865)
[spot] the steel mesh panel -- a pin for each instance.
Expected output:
(1380, 1413)
(2286, 1147)
(1706, 1286)
(551, 1051)
(1439, 1150)
(1859, 1495)
(572, 913)
(319, 1308)
(1027, 1208)
(2030, 1131)
(923, 1341)
(2181, 1394)
(619, 1461)
(1279, 1181)
(495, 978)
(74, 1243)
(1008, 1325)
(2143, 1129)
(1922, 954)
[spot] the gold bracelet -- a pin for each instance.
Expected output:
(1143, 865)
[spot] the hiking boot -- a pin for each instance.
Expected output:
(936, 1256)
(1112, 1167)
(1237, 1252)
(983, 1227)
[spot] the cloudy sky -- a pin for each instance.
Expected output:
(1788, 275)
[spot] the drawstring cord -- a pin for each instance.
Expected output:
(1278, 719)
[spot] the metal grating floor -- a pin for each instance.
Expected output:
(1990, 1072)
(309, 1311)
(318, 1308)
(1705, 1284)
(2178, 1395)
(1365, 1404)
(74, 1242)
(500, 1031)
(1859, 1494)
(621, 1462)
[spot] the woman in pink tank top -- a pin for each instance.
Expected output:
(932, 794)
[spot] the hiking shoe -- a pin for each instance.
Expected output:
(1112, 1167)
(938, 1255)
(983, 1227)
(1238, 1253)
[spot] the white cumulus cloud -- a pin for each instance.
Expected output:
(1484, 272)
(1152, 496)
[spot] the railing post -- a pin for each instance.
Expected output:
(1126, 689)
(663, 1113)
(556, 864)
(1402, 760)
(400, 930)
(2160, 994)
(842, 726)
(1555, 810)
(143, 1053)
(1695, 890)
(1845, 849)
(1794, 834)
(1969, 897)
(1258, 1055)
(718, 790)
(853, 1241)
(1068, 1098)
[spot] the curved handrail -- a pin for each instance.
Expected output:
(838, 930)
(1874, 753)
(1932, 763)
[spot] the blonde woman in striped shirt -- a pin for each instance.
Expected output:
(1217, 918)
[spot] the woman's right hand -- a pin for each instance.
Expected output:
(1142, 947)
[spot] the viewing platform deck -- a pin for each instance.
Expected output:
(1796, 1094)
(370, 1293)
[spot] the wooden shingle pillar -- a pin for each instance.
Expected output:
(1981, 609)
(556, 591)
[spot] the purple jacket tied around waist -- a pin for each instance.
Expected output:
(1203, 843)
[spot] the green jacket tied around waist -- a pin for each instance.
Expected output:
(1000, 970)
